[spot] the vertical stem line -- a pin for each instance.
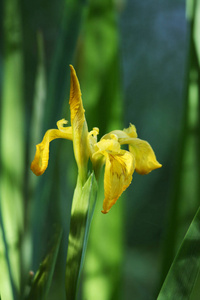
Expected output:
(81, 215)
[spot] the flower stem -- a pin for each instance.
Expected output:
(81, 214)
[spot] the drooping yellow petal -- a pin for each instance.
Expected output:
(119, 167)
(79, 125)
(40, 162)
(145, 159)
(118, 176)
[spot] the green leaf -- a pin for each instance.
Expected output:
(184, 270)
(5, 262)
(39, 99)
(12, 148)
(43, 277)
(81, 215)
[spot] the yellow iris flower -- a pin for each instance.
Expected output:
(119, 164)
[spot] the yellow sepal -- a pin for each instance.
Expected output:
(145, 159)
(119, 169)
(40, 162)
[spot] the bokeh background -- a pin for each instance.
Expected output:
(138, 62)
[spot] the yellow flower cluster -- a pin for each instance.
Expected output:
(119, 164)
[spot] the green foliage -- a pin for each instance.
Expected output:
(42, 280)
(12, 151)
(182, 276)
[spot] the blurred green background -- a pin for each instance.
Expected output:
(138, 62)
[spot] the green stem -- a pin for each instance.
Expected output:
(81, 215)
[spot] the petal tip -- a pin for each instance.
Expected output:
(75, 101)
(40, 161)
(158, 165)
(72, 68)
(149, 168)
(35, 169)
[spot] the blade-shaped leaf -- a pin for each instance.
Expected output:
(43, 277)
(12, 147)
(5, 262)
(184, 270)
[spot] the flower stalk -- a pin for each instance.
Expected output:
(81, 214)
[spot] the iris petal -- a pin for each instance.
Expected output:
(131, 131)
(75, 101)
(118, 176)
(79, 126)
(126, 133)
(145, 159)
(40, 162)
